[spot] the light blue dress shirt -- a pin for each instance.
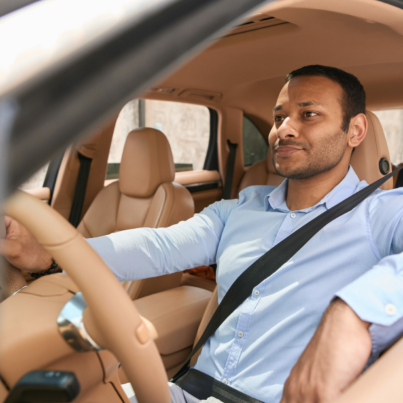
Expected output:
(355, 257)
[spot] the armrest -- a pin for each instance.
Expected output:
(173, 316)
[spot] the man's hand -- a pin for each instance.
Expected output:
(335, 356)
(22, 250)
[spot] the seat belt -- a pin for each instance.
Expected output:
(399, 182)
(81, 186)
(272, 260)
(229, 175)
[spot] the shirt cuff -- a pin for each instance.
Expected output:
(376, 296)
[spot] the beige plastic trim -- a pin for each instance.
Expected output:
(382, 382)
(110, 317)
(193, 177)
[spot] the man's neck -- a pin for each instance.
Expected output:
(304, 193)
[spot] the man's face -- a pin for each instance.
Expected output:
(306, 138)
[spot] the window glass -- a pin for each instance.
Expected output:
(254, 145)
(36, 180)
(186, 126)
(392, 123)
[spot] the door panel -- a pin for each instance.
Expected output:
(205, 186)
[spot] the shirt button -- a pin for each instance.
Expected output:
(240, 334)
(293, 215)
(225, 381)
(256, 292)
(390, 309)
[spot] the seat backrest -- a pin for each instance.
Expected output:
(144, 196)
(365, 160)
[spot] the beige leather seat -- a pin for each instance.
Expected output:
(365, 160)
(144, 196)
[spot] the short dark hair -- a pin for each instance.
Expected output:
(353, 101)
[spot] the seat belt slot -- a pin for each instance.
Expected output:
(81, 186)
(229, 175)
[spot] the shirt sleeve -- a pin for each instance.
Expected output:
(377, 296)
(146, 252)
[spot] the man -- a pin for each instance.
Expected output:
(336, 304)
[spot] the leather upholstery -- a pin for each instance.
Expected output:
(366, 157)
(144, 196)
(365, 160)
(146, 163)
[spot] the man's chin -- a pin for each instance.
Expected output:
(293, 172)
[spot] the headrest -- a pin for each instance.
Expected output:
(147, 162)
(368, 156)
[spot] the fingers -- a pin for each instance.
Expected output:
(7, 220)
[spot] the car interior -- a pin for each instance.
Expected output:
(237, 77)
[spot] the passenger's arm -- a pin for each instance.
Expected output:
(145, 252)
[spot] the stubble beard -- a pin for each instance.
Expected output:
(324, 157)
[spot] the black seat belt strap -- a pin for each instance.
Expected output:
(81, 186)
(399, 182)
(273, 259)
(229, 175)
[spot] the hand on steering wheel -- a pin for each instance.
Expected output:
(110, 318)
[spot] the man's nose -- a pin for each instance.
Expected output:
(287, 129)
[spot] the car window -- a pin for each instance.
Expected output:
(254, 145)
(186, 126)
(392, 123)
(36, 180)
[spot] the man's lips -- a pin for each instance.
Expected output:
(284, 151)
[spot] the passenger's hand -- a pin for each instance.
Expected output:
(335, 356)
(22, 250)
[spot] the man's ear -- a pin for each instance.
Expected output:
(358, 130)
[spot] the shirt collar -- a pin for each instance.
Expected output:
(277, 198)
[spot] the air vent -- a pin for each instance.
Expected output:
(256, 21)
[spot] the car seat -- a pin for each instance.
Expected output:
(144, 196)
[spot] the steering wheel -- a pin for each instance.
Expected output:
(110, 317)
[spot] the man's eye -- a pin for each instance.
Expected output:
(310, 114)
(278, 118)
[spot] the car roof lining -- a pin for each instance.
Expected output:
(248, 69)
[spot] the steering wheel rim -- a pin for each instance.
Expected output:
(111, 319)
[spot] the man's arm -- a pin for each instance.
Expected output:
(365, 319)
(335, 356)
(134, 254)
(146, 252)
